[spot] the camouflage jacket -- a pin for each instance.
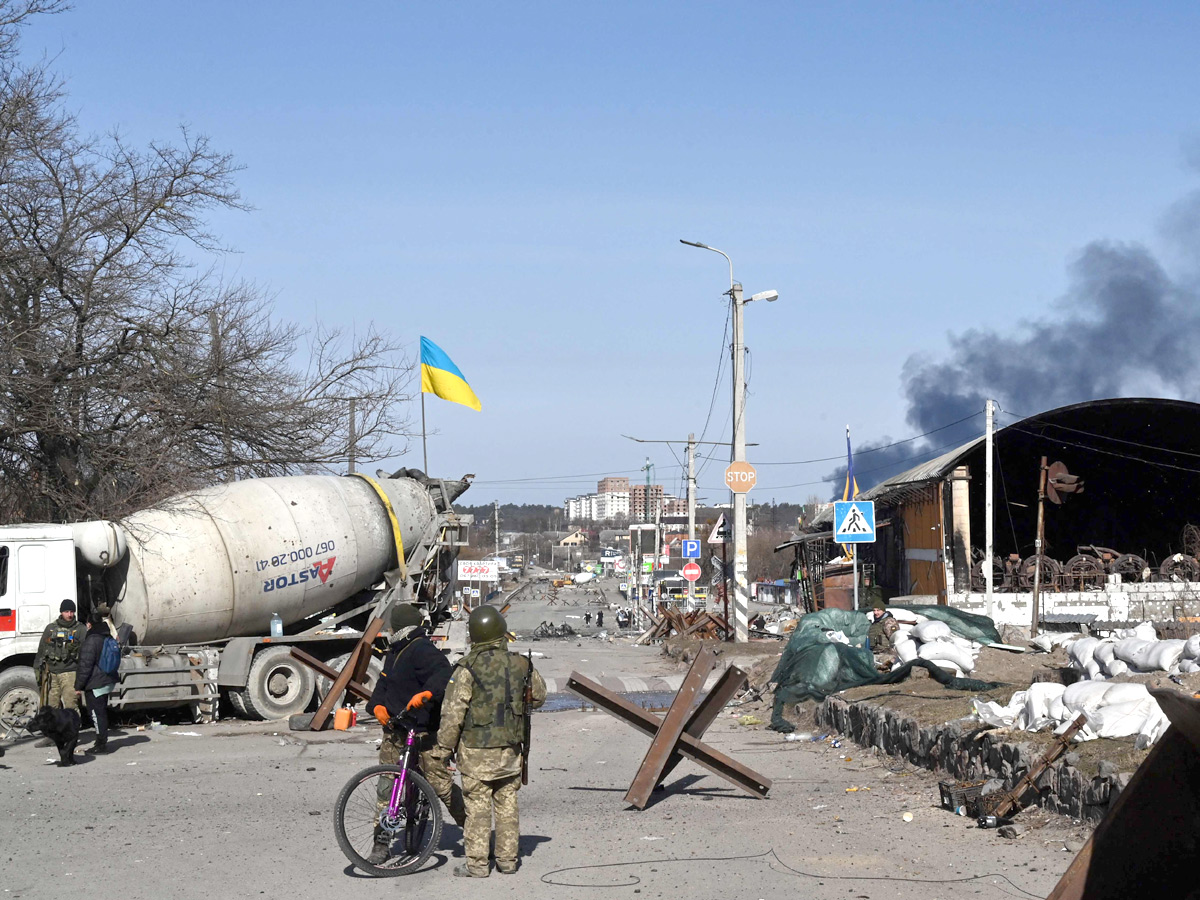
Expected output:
(59, 647)
(484, 763)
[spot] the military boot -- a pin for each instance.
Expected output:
(381, 848)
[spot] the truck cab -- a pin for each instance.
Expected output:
(37, 572)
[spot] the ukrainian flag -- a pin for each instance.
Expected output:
(850, 491)
(440, 376)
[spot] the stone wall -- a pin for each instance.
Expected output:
(962, 752)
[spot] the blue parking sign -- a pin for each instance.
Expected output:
(691, 549)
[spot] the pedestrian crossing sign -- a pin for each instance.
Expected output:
(854, 521)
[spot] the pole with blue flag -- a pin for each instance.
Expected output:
(850, 492)
(440, 376)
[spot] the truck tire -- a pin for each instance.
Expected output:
(374, 668)
(18, 696)
(279, 685)
(238, 703)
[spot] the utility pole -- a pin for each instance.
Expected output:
(497, 502)
(988, 514)
(741, 589)
(740, 563)
(691, 501)
(1037, 549)
(692, 444)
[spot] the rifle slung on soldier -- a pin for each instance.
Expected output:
(528, 698)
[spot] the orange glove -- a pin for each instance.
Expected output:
(419, 700)
(381, 714)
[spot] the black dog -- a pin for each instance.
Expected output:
(62, 727)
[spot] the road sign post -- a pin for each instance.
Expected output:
(854, 523)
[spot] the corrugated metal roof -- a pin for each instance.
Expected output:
(927, 472)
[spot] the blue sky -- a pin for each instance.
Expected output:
(512, 181)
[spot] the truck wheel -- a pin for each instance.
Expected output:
(238, 703)
(18, 696)
(279, 685)
(374, 667)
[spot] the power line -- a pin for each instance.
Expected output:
(1106, 437)
(860, 453)
(1148, 462)
(924, 456)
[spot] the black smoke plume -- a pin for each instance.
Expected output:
(1126, 328)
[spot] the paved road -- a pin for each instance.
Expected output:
(239, 811)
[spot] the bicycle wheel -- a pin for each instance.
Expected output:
(411, 835)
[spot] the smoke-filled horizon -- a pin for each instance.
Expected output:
(1125, 328)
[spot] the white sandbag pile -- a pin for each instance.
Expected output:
(1133, 650)
(1112, 710)
(933, 640)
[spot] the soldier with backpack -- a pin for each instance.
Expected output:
(99, 662)
(483, 719)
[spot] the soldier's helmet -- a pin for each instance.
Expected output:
(486, 624)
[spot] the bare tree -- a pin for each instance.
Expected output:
(126, 373)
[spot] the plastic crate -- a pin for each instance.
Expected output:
(986, 804)
(960, 797)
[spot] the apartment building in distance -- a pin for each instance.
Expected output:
(616, 498)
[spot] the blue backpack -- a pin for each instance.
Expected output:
(110, 656)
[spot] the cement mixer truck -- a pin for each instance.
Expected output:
(211, 589)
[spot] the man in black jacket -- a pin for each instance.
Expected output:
(412, 684)
(94, 682)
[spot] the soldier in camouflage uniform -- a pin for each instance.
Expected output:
(483, 718)
(57, 659)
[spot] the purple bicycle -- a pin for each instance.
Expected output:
(387, 819)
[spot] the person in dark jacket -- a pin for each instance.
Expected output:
(95, 683)
(411, 685)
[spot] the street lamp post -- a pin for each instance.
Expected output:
(741, 585)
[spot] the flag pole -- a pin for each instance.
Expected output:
(424, 447)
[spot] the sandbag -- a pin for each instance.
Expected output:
(936, 651)
(1092, 670)
(1189, 666)
(1105, 653)
(1167, 654)
(1048, 640)
(931, 631)
(906, 650)
(1143, 632)
(1115, 667)
(1134, 652)
(1191, 647)
(1081, 651)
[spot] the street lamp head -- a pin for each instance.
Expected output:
(769, 296)
(695, 244)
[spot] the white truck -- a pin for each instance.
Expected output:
(195, 583)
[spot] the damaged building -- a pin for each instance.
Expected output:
(1124, 547)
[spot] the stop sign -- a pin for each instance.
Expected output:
(691, 571)
(740, 477)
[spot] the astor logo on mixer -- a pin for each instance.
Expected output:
(320, 569)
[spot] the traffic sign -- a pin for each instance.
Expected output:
(720, 533)
(620, 565)
(691, 549)
(740, 477)
(854, 521)
(691, 571)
